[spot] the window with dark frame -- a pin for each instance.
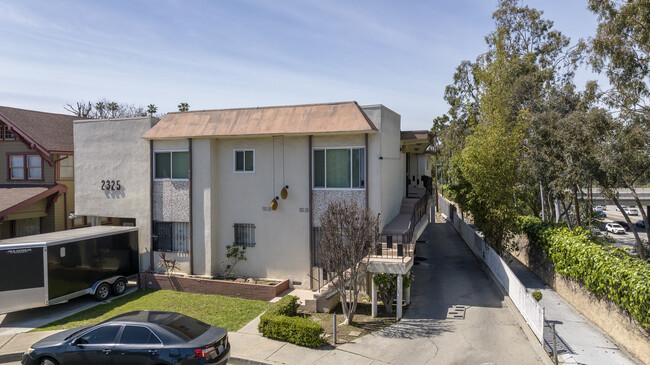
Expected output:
(25, 167)
(244, 234)
(6, 134)
(173, 165)
(339, 168)
(171, 236)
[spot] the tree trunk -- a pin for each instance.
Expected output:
(575, 196)
(568, 218)
(637, 239)
(644, 216)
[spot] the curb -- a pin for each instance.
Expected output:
(5, 358)
(244, 361)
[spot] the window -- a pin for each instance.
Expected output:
(6, 134)
(340, 168)
(102, 335)
(79, 221)
(244, 234)
(174, 165)
(66, 167)
(135, 335)
(171, 236)
(244, 161)
(25, 167)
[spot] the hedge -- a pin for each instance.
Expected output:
(606, 271)
(281, 322)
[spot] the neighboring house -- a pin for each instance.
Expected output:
(36, 172)
(202, 180)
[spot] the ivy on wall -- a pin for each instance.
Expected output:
(606, 271)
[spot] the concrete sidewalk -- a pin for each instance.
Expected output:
(580, 341)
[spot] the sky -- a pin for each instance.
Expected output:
(248, 53)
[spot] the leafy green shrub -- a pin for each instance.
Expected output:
(281, 322)
(606, 271)
(287, 306)
(298, 330)
(537, 295)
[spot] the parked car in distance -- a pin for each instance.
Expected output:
(640, 224)
(623, 224)
(631, 211)
(140, 337)
(615, 228)
(600, 213)
(598, 208)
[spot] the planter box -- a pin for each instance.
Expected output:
(211, 286)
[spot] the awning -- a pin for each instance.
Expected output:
(15, 198)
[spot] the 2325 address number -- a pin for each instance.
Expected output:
(111, 185)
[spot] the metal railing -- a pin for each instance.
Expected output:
(401, 245)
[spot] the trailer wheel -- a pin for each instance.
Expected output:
(102, 292)
(119, 287)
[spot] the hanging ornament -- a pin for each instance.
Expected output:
(284, 193)
(274, 203)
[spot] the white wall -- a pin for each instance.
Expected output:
(387, 178)
(282, 236)
(111, 149)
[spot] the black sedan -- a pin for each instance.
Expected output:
(141, 337)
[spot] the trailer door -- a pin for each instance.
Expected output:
(22, 277)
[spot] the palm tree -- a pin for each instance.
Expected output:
(101, 108)
(183, 107)
(113, 107)
(152, 109)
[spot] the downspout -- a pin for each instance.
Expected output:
(151, 205)
(65, 211)
(311, 217)
(366, 163)
(191, 213)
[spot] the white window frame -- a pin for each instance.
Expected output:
(234, 160)
(171, 165)
(313, 167)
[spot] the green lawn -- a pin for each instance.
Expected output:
(227, 312)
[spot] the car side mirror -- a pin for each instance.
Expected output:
(77, 342)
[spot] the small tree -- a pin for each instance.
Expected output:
(183, 107)
(234, 254)
(387, 288)
(152, 109)
(348, 232)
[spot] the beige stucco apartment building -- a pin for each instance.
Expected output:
(196, 182)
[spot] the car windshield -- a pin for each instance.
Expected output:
(616, 226)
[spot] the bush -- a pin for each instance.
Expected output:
(537, 295)
(606, 271)
(281, 322)
(298, 330)
(287, 306)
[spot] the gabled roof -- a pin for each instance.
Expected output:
(344, 117)
(16, 197)
(47, 132)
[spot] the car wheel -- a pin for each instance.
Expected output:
(48, 361)
(119, 287)
(102, 292)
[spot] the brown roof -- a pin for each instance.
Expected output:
(407, 135)
(14, 198)
(49, 131)
(345, 117)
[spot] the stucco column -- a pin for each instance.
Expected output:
(374, 297)
(399, 296)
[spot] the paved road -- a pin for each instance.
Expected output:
(448, 277)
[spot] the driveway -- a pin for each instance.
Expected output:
(456, 315)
